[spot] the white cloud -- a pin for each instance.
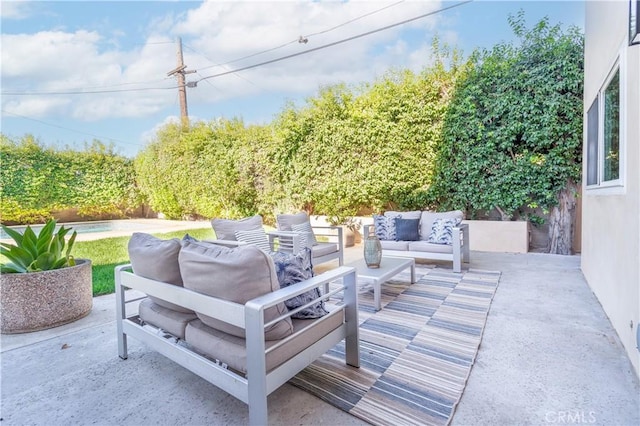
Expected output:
(213, 32)
(15, 9)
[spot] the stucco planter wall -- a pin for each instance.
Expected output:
(41, 300)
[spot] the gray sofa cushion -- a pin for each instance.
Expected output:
(322, 249)
(286, 220)
(427, 218)
(225, 229)
(429, 247)
(156, 259)
(395, 245)
(169, 320)
(404, 215)
(235, 274)
(232, 350)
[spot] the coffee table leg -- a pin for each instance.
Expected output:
(376, 294)
(413, 272)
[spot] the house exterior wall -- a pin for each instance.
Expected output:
(611, 216)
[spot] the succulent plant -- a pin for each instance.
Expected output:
(42, 252)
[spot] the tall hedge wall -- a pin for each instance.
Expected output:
(36, 181)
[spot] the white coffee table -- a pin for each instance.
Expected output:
(389, 267)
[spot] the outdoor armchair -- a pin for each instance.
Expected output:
(326, 242)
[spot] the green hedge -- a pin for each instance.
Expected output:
(36, 180)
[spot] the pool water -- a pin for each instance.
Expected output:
(84, 227)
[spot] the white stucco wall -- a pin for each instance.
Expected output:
(611, 217)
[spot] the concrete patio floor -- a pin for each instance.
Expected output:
(548, 356)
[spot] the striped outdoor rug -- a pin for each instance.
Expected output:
(416, 352)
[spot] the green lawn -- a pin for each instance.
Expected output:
(107, 253)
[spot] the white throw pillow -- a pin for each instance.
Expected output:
(307, 236)
(256, 237)
(442, 231)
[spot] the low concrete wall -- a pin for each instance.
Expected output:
(485, 235)
(498, 236)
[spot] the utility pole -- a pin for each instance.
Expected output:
(180, 72)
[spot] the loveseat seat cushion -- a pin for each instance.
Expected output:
(395, 245)
(237, 275)
(171, 321)
(427, 218)
(232, 349)
(430, 247)
(156, 259)
(225, 229)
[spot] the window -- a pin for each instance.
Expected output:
(604, 134)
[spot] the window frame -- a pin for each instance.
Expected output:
(615, 185)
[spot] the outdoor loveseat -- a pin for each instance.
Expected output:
(220, 312)
(423, 235)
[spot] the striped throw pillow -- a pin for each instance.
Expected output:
(307, 236)
(256, 237)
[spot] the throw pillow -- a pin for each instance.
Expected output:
(236, 274)
(385, 227)
(156, 259)
(442, 232)
(307, 236)
(257, 237)
(225, 229)
(294, 268)
(407, 229)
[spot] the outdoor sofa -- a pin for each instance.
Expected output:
(423, 235)
(221, 313)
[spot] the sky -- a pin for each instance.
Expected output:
(75, 71)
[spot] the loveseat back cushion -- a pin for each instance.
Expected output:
(237, 275)
(169, 320)
(156, 259)
(225, 229)
(415, 214)
(427, 219)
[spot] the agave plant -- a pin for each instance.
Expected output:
(42, 252)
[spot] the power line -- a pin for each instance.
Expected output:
(354, 19)
(68, 129)
(86, 92)
(335, 43)
(302, 39)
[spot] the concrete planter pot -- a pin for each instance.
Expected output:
(40, 300)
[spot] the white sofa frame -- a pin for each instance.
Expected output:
(258, 383)
(460, 246)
